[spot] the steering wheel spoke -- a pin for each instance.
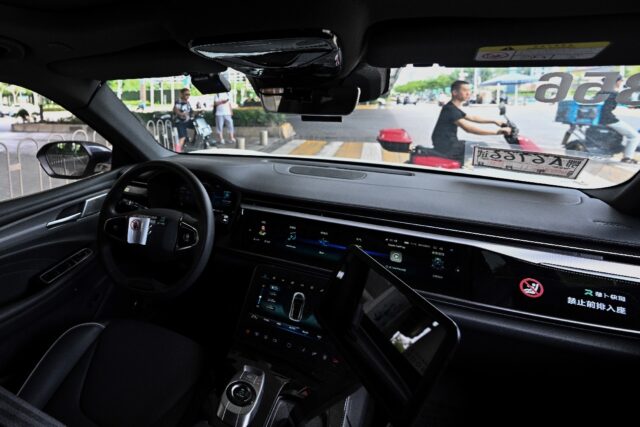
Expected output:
(188, 236)
(116, 228)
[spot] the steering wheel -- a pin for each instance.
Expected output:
(156, 251)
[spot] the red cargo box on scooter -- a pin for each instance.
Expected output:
(396, 140)
(433, 159)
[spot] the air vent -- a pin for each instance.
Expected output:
(327, 172)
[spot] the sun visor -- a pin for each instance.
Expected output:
(456, 42)
(141, 62)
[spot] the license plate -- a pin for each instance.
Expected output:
(529, 162)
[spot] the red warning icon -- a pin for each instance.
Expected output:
(531, 288)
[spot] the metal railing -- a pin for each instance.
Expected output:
(8, 161)
(18, 166)
(164, 132)
(28, 181)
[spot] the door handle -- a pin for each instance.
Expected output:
(90, 206)
(64, 220)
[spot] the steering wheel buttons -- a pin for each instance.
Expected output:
(187, 236)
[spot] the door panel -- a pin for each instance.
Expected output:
(50, 275)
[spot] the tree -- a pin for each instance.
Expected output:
(442, 82)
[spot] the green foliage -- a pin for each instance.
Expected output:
(130, 85)
(441, 82)
(630, 71)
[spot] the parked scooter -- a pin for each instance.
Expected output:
(398, 140)
(203, 136)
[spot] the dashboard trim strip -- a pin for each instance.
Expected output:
(444, 299)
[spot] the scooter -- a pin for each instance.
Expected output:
(203, 137)
(595, 139)
(399, 141)
(585, 133)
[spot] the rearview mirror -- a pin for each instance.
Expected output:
(210, 83)
(74, 159)
(335, 101)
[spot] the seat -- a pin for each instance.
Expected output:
(117, 373)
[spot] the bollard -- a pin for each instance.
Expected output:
(264, 137)
(240, 143)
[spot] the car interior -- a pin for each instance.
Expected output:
(200, 290)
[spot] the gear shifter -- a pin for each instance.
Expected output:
(241, 397)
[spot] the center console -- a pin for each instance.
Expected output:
(283, 360)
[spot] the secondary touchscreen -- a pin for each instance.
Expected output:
(392, 338)
(409, 329)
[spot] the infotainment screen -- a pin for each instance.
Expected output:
(392, 338)
(425, 264)
(279, 317)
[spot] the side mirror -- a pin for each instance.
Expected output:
(74, 159)
(503, 109)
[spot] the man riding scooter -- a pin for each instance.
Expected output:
(623, 128)
(445, 134)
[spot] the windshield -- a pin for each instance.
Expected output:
(564, 126)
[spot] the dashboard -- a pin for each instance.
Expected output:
(544, 283)
(293, 246)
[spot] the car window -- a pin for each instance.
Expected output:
(566, 126)
(28, 121)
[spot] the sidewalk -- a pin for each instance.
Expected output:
(251, 144)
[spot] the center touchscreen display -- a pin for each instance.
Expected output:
(279, 317)
(289, 305)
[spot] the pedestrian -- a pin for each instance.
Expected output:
(224, 116)
(183, 112)
(623, 128)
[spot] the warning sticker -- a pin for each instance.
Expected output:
(541, 52)
(531, 288)
(529, 162)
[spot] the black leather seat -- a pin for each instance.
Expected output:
(119, 373)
